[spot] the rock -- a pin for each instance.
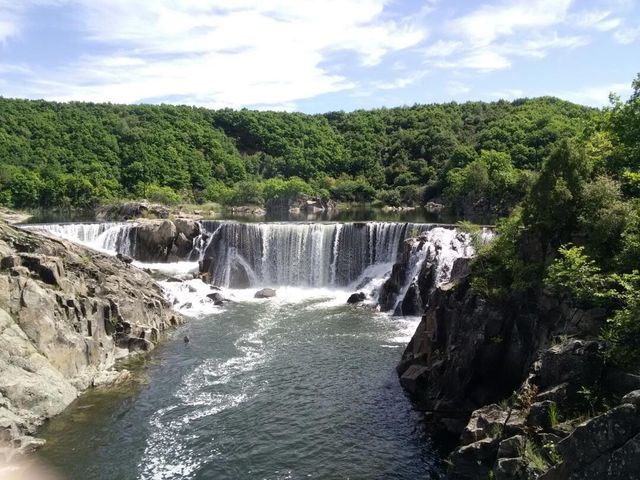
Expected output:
(356, 298)
(540, 414)
(632, 398)
(186, 305)
(124, 258)
(188, 227)
(433, 207)
(154, 240)
(192, 289)
(137, 344)
(461, 268)
(412, 377)
(513, 469)
(490, 421)
(473, 461)
(174, 280)
(63, 310)
(607, 446)
(265, 293)
(511, 447)
(216, 297)
(619, 382)
(557, 394)
(575, 362)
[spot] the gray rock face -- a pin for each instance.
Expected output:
(607, 446)
(66, 314)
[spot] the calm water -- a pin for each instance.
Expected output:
(355, 214)
(301, 386)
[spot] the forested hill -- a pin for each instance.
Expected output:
(81, 154)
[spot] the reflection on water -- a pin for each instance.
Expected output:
(352, 214)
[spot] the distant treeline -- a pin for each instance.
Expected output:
(475, 154)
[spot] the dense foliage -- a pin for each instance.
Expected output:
(480, 156)
(577, 234)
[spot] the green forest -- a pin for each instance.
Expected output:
(576, 234)
(477, 157)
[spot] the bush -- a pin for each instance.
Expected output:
(164, 195)
(353, 190)
(389, 197)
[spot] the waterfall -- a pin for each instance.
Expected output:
(315, 254)
(109, 238)
(396, 265)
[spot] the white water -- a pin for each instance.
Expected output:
(109, 238)
(299, 259)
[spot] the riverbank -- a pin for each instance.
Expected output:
(67, 313)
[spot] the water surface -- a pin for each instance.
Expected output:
(301, 386)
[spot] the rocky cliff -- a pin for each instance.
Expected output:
(522, 387)
(66, 314)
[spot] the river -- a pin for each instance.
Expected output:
(297, 386)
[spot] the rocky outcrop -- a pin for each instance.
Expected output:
(163, 240)
(541, 359)
(66, 314)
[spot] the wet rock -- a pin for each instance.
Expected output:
(357, 298)
(265, 293)
(217, 297)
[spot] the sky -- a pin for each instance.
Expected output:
(317, 55)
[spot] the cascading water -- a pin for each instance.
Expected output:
(293, 386)
(315, 255)
(109, 238)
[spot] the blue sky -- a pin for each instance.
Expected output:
(317, 55)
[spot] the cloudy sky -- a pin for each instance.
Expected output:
(317, 55)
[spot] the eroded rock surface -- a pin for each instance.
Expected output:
(66, 314)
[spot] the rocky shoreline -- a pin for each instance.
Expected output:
(67, 314)
(521, 387)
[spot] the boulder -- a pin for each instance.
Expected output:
(607, 446)
(357, 298)
(473, 461)
(513, 469)
(512, 447)
(540, 414)
(265, 293)
(217, 297)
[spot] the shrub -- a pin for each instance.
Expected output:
(164, 195)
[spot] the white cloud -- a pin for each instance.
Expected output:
(596, 95)
(220, 53)
(626, 35)
(508, 94)
(490, 22)
(597, 19)
(482, 60)
(401, 82)
(487, 38)
(455, 87)
(443, 48)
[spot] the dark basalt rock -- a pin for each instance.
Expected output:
(357, 298)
